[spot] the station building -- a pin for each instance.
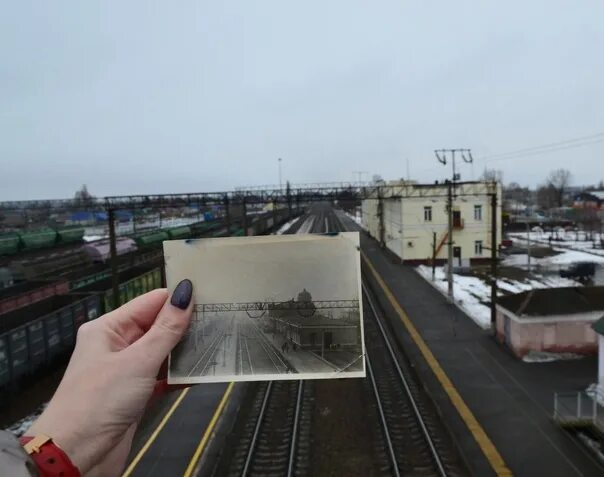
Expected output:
(411, 220)
(551, 319)
(319, 333)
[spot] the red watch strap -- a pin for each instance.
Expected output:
(49, 457)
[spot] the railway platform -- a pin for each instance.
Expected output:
(173, 440)
(498, 408)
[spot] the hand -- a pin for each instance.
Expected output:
(110, 378)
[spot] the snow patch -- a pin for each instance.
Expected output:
(546, 357)
(286, 226)
(22, 425)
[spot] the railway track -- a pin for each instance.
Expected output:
(276, 442)
(406, 437)
(415, 442)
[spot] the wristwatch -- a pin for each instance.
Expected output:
(48, 457)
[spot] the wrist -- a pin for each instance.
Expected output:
(50, 459)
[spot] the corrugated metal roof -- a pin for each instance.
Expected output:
(555, 301)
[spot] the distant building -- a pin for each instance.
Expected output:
(550, 319)
(411, 219)
(589, 200)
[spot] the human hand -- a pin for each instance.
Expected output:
(110, 378)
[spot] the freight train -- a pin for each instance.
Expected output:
(27, 345)
(39, 320)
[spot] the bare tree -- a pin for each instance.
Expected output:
(492, 175)
(83, 197)
(558, 181)
(547, 196)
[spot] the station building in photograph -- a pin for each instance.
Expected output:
(411, 220)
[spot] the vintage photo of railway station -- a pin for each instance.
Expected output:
(268, 308)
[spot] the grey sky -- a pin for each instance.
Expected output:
(130, 97)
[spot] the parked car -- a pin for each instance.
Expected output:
(579, 270)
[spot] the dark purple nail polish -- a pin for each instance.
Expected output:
(182, 294)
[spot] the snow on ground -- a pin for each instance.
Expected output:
(285, 227)
(568, 241)
(473, 295)
(22, 425)
(554, 263)
(356, 218)
(101, 231)
(547, 357)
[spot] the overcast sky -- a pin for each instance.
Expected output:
(128, 97)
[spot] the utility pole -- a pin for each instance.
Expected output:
(360, 175)
(528, 245)
(380, 214)
(244, 216)
(280, 182)
(493, 255)
(441, 156)
(115, 281)
(433, 255)
(227, 215)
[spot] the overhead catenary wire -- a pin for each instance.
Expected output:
(546, 148)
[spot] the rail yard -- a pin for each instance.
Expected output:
(422, 410)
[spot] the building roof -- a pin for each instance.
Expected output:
(593, 194)
(598, 326)
(555, 301)
(316, 322)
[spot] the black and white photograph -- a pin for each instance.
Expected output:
(269, 308)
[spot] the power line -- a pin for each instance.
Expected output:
(545, 148)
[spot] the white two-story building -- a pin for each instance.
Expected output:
(411, 220)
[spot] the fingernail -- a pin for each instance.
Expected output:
(182, 294)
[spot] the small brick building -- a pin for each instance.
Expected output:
(551, 319)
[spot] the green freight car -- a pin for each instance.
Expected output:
(152, 239)
(133, 288)
(70, 234)
(41, 238)
(179, 232)
(9, 244)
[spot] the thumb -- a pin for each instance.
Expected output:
(169, 327)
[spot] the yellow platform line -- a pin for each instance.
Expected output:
(208, 432)
(155, 433)
(483, 440)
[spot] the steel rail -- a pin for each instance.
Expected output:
(292, 449)
(419, 418)
(378, 400)
(426, 433)
(250, 454)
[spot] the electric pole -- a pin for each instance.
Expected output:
(360, 174)
(280, 183)
(441, 156)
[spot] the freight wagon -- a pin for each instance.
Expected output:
(27, 293)
(26, 348)
(29, 344)
(13, 242)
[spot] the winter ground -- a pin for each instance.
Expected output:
(562, 240)
(473, 294)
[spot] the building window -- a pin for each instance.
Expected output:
(428, 214)
(478, 212)
(478, 247)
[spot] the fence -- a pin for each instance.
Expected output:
(580, 409)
